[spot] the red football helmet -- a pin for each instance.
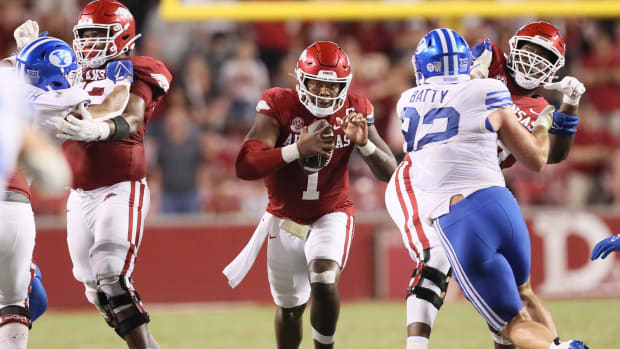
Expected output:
(323, 61)
(118, 23)
(531, 69)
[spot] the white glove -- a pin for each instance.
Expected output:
(482, 55)
(570, 87)
(545, 118)
(25, 33)
(87, 129)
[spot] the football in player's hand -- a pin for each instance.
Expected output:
(313, 164)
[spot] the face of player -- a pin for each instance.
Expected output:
(540, 52)
(323, 89)
(94, 33)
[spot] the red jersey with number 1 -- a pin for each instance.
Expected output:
(527, 108)
(99, 164)
(293, 193)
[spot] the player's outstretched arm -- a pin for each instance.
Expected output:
(530, 149)
(565, 119)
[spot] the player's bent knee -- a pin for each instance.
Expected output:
(435, 276)
(121, 303)
(14, 314)
(321, 338)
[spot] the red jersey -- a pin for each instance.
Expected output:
(100, 164)
(527, 108)
(17, 183)
(293, 193)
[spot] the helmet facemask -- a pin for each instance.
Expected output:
(93, 52)
(312, 101)
(531, 69)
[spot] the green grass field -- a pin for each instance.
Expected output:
(373, 325)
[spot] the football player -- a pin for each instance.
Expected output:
(109, 199)
(537, 53)
(309, 220)
(48, 66)
(452, 128)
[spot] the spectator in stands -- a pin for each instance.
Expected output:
(601, 73)
(243, 79)
(179, 158)
(591, 160)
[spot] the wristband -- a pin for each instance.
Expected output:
(121, 128)
(367, 149)
(290, 153)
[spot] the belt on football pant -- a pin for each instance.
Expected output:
(11, 196)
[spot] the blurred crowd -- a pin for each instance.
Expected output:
(221, 68)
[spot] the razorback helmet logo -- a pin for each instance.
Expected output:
(323, 61)
(116, 32)
(532, 69)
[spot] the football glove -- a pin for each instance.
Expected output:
(571, 88)
(605, 247)
(87, 129)
(545, 118)
(25, 33)
(481, 57)
(564, 124)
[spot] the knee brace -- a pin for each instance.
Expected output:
(15, 313)
(121, 304)
(429, 273)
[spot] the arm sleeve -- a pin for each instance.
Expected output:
(257, 160)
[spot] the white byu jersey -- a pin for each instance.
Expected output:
(13, 113)
(49, 104)
(451, 145)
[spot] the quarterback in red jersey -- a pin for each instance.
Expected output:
(109, 199)
(309, 218)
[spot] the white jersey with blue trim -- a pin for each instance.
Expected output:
(49, 104)
(13, 114)
(451, 144)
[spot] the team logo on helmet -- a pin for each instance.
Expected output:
(60, 58)
(123, 12)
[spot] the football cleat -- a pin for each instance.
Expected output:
(572, 344)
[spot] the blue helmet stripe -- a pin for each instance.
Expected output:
(451, 46)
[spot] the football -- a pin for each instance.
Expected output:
(313, 164)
